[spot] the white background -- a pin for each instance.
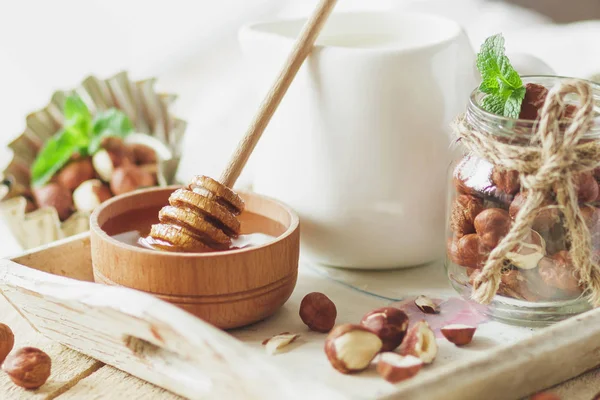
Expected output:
(191, 46)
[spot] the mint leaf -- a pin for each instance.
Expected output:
(512, 107)
(55, 153)
(110, 123)
(77, 114)
(499, 80)
(80, 135)
(493, 104)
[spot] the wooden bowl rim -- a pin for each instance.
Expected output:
(102, 235)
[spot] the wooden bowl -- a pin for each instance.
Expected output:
(228, 289)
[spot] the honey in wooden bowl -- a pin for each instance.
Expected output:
(229, 288)
(134, 227)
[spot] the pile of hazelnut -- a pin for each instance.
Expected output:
(382, 336)
(486, 201)
(27, 367)
(84, 183)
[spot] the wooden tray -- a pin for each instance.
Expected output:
(155, 341)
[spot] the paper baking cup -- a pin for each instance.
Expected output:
(150, 115)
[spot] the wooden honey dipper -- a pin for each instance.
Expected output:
(203, 216)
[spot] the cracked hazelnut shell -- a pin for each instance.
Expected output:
(318, 312)
(395, 368)
(420, 342)
(106, 161)
(459, 334)
(528, 253)
(90, 194)
(389, 323)
(351, 348)
(28, 367)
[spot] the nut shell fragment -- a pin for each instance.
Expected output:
(395, 368)
(277, 342)
(459, 334)
(426, 305)
(420, 342)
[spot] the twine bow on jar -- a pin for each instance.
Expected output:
(549, 162)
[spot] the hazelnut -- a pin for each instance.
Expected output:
(547, 215)
(529, 252)
(507, 181)
(105, 162)
(558, 271)
(452, 250)
(464, 210)
(395, 368)
(491, 226)
(130, 177)
(74, 173)
(535, 96)
(420, 342)
(470, 252)
(351, 348)
(318, 312)
(389, 323)
(28, 367)
(569, 111)
(7, 341)
(459, 334)
(426, 305)
(473, 176)
(90, 194)
(514, 284)
(142, 154)
(591, 216)
(586, 186)
(55, 196)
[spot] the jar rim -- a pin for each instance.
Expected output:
(474, 105)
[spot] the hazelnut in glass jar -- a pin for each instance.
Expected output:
(538, 284)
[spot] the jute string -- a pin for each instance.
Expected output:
(548, 163)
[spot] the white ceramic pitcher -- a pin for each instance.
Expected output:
(359, 145)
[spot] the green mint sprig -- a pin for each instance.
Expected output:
(81, 134)
(501, 83)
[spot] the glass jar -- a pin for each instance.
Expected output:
(538, 286)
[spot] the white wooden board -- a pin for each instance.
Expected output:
(179, 352)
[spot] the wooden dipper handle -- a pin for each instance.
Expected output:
(302, 48)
